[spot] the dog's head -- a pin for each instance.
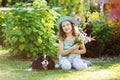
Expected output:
(46, 61)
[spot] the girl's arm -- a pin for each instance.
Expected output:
(82, 49)
(68, 51)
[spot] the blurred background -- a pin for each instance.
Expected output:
(28, 27)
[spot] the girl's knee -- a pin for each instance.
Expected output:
(78, 64)
(66, 65)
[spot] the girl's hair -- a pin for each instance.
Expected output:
(61, 33)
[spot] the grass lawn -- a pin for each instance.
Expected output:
(101, 70)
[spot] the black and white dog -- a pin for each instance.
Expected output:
(42, 62)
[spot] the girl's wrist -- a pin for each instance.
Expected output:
(73, 48)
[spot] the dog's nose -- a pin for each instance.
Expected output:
(44, 62)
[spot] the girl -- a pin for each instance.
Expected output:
(70, 53)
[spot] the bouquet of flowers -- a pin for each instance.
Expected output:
(79, 39)
(83, 38)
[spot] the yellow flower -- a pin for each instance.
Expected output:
(94, 16)
(1, 16)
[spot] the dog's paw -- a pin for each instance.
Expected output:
(57, 65)
(29, 69)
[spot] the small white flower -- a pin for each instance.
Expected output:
(4, 24)
(36, 3)
(30, 9)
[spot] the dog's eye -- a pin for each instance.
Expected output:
(42, 59)
(48, 58)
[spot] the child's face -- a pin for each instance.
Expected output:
(66, 26)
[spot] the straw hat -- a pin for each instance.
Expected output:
(66, 18)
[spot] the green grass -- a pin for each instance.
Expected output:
(16, 70)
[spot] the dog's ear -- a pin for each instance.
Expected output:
(51, 64)
(40, 57)
(49, 58)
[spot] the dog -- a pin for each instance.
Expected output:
(42, 62)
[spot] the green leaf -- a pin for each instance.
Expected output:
(22, 39)
(14, 39)
(40, 40)
(35, 30)
(40, 33)
(15, 51)
(34, 54)
(21, 47)
(28, 31)
(28, 55)
(37, 43)
(31, 50)
(43, 21)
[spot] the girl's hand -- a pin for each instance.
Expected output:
(79, 49)
(76, 46)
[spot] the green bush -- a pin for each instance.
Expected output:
(104, 32)
(29, 32)
(2, 25)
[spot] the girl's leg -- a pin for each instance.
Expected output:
(79, 64)
(65, 64)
